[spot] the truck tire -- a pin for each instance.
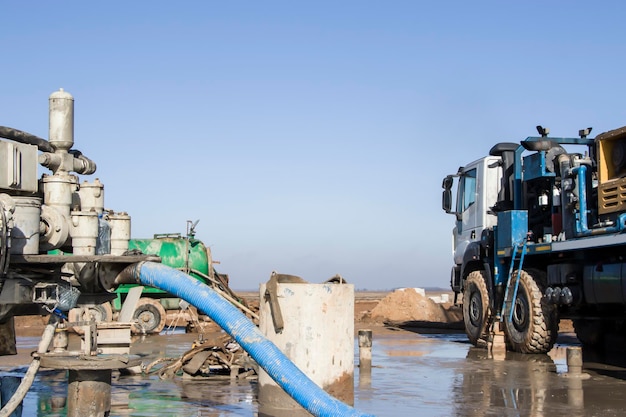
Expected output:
(476, 312)
(534, 325)
(149, 317)
(101, 313)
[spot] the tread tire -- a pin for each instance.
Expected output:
(535, 325)
(476, 311)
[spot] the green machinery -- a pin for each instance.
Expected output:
(185, 253)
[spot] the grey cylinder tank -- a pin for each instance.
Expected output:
(61, 128)
(25, 232)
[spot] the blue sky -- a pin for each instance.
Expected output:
(309, 138)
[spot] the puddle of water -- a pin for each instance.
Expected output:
(151, 397)
(405, 384)
(558, 354)
(412, 374)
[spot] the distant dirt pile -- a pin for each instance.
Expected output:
(408, 306)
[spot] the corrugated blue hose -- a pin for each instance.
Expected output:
(278, 366)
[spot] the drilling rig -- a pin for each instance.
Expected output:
(59, 247)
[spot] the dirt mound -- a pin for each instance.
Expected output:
(408, 305)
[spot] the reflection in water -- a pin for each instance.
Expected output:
(137, 397)
(233, 395)
(447, 378)
(404, 384)
(519, 385)
(218, 397)
(365, 377)
(47, 397)
(575, 395)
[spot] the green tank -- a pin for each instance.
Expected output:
(186, 254)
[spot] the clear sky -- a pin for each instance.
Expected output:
(309, 138)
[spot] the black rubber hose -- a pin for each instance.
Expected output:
(4, 245)
(23, 137)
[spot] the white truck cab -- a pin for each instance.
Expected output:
(477, 187)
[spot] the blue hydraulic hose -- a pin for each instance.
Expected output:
(278, 366)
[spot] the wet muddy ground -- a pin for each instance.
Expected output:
(413, 374)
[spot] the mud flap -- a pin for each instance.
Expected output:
(8, 345)
(130, 304)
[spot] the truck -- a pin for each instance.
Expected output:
(540, 236)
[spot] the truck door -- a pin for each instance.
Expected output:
(467, 204)
(468, 214)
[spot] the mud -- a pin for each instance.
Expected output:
(274, 402)
(422, 372)
(408, 305)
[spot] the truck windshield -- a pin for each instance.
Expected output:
(467, 191)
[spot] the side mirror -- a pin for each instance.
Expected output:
(446, 198)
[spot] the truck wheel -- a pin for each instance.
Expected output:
(149, 317)
(476, 312)
(534, 325)
(101, 313)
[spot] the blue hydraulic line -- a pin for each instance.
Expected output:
(59, 313)
(582, 227)
(278, 366)
(519, 271)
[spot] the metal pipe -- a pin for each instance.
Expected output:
(26, 138)
(574, 356)
(365, 350)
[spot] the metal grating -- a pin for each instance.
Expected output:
(612, 196)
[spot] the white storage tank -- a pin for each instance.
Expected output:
(318, 337)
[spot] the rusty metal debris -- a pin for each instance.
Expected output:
(218, 356)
